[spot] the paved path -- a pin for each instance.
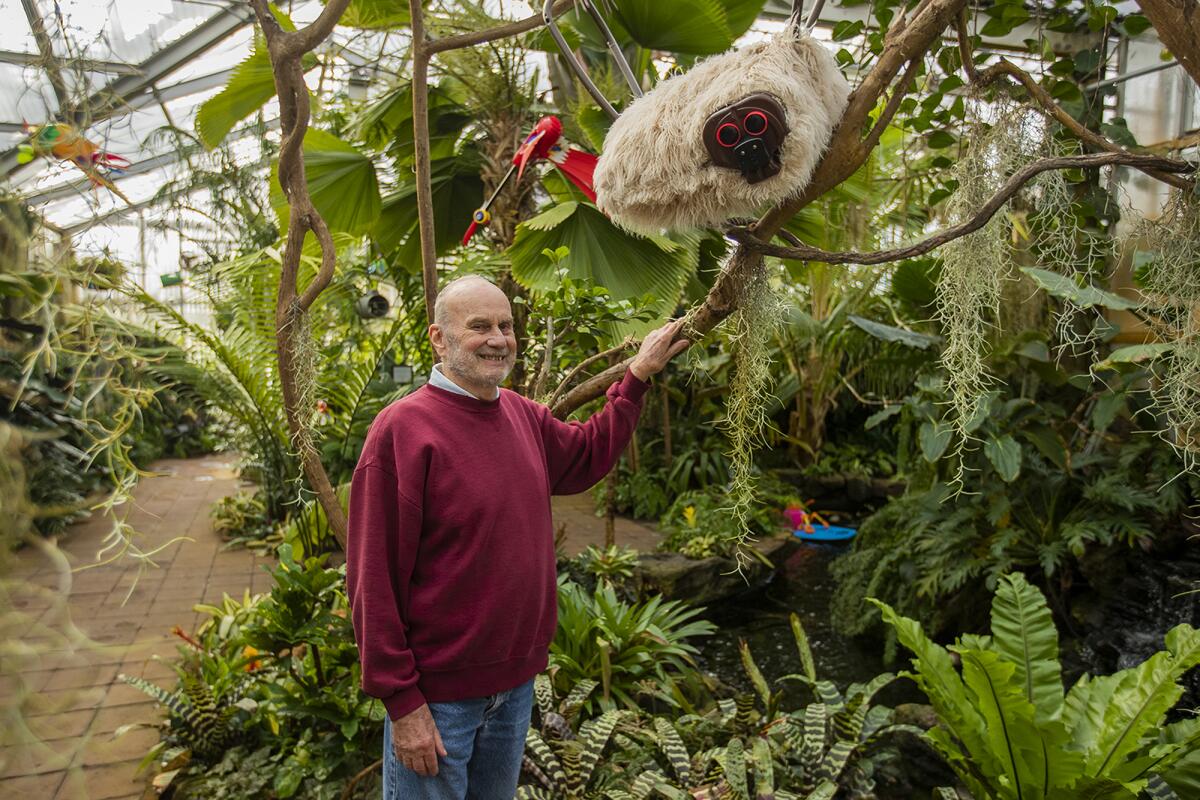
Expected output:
(69, 695)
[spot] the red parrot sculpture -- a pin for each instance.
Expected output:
(62, 141)
(543, 142)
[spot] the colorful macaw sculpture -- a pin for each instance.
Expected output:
(58, 140)
(543, 142)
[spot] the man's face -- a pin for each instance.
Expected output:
(477, 345)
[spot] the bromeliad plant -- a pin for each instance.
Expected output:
(632, 650)
(1009, 731)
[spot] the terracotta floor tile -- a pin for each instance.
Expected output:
(36, 759)
(104, 782)
(111, 718)
(79, 677)
(70, 724)
(64, 700)
(104, 749)
(31, 787)
(122, 693)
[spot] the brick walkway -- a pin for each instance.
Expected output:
(68, 694)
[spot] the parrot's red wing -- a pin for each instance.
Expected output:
(578, 167)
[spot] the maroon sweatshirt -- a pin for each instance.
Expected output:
(450, 560)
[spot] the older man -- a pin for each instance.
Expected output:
(450, 563)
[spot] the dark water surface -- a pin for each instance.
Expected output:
(803, 586)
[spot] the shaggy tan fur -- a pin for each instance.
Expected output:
(655, 173)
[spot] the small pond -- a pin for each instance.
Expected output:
(803, 585)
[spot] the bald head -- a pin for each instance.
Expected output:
(472, 333)
(462, 291)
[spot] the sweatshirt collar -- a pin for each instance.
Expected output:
(465, 400)
(439, 379)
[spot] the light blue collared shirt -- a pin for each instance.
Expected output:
(438, 378)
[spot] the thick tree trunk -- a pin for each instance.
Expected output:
(1178, 25)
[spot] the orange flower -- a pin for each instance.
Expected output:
(253, 664)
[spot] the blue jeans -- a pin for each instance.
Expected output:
(484, 741)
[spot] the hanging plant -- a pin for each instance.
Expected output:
(1169, 275)
(973, 267)
(747, 414)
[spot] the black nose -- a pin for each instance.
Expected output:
(755, 161)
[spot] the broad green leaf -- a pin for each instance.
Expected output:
(880, 416)
(696, 27)
(741, 14)
(936, 676)
(1008, 718)
(251, 85)
(1184, 774)
(457, 191)
(1064, 288)
(890, 333)
(1136, 353)
(1005, 455)
(375, 14)
(934, 438)
(1107, 407)
(1023, 633)
(341, 181)
(914, 282)
(601, 254)
(764, 772)
(1140, 698)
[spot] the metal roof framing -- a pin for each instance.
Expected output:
(140, 86)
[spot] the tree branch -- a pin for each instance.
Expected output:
(1050, 108)
(1178, 25)
(581, 366)
(981, 217)
(420, 90)
(893, 104)
(286, 50)
(499, 32)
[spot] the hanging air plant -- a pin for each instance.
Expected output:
(1170, 282)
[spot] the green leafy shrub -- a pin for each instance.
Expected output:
(643, 493)
(287, 661)
(702, 523)
(1043, 494)
(241, 517)
(1009, 731)
(614, 564)
(631, 650)
(749, 746)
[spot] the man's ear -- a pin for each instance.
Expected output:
(437, 338)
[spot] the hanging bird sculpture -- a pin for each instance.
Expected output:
(58, 140)
(739, 131)
(543, 142)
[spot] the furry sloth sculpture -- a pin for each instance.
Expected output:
(738, 131)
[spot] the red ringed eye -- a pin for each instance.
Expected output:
(728, 134)
(755, 123)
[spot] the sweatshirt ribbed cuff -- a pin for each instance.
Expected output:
(632, 387)
(403, 702)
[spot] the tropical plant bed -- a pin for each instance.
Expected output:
(701, 581)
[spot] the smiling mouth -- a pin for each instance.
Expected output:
(498, 359)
